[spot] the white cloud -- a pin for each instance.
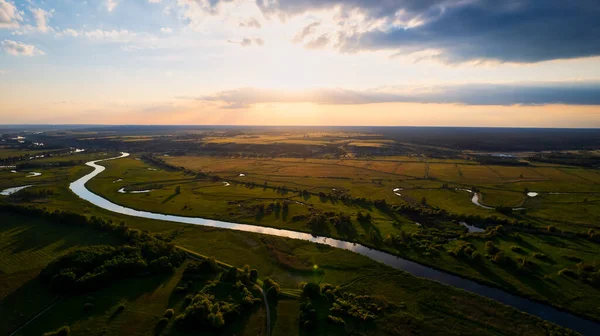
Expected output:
(122, 35)
(9, 15)
(166, 30)
(111, 4)
(249, 41)
(250, 23)
(70, 32)
(41, 19)
(154, 1)
(20, 49)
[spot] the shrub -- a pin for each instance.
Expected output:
(516, 249)
(254, 275)
(311, 290)
(62, 331)
(93, 267)
(272, 289)
(568, 272)
(88, 307)
(120, 308)
(163, 322)
(499, 258)
(335, 320)
(169, 313)
(308, 315)
(540, 256)
(490, 248)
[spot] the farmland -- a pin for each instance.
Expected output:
(407, 204)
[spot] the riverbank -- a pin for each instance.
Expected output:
(527, 305)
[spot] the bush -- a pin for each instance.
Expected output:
(311, 290)
(568, 272)
(93, 267)
(490, 248)
(540, 256)
(169, 313)
(308, 316)
(62, 331)
(335, 320)
(163, 322)
(88, 307)
(120, 308)
(272, 288)
(516, 249)
(254, 275)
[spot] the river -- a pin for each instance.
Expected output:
(546, 312)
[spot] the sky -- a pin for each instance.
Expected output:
(510, 63)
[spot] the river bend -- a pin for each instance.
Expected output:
(546, 312)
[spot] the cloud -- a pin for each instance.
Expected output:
(166, 30)
(120, 36)
(194, 7)
(41, 18)
(570, 93)
(318, 43)
(9, 15)
(249, 41)
(306, 31)
(522, 31)
(70, 32)
(250, 23)
(20, 49)
(111, 5)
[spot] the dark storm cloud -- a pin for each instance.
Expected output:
(571, 93)
(522, 31)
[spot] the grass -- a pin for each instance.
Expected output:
(425, 304)
(26, 246)
(12, 152)
(213, 200)
(205, 198)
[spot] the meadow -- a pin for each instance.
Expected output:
(136, 306)
(237, 202)
(548, 260)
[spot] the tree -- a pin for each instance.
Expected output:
(254, 275)
(178, 190)
(311, 290)
(62, 331)
(272, 289)
(490, 248)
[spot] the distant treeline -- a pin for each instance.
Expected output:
(571, 159)
(502, 161)
(25, 157)
(34, 164)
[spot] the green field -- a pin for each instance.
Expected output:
(146, 299)
(234, 197)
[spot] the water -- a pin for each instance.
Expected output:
(475, 200)
(543, 311)
(472, 228)
(532, 194)
(10, 191)
(34, 174)
(122, 191)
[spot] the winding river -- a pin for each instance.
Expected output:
(546, 312)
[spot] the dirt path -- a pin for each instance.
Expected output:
(36, 316)
(268, 310)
